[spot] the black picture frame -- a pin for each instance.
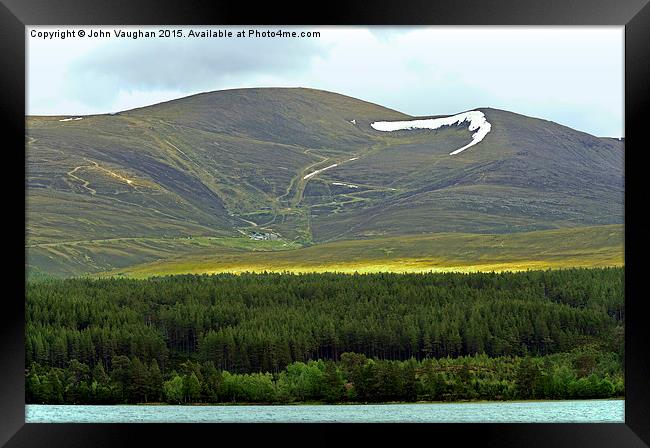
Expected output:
(633, 14)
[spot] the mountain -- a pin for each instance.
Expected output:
(281, 168)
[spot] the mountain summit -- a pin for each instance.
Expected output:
(307, 166)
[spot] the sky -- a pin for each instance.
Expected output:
(570, 75)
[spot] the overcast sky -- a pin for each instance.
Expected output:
(571, 75)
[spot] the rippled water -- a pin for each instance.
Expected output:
(502, 412)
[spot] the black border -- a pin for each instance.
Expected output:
(16, 14)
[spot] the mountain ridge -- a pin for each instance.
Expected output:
(304, 166)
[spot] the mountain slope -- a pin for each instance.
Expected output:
(301, 166)
(527, 174)
(182, 167)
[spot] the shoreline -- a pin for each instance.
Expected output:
(320, 403)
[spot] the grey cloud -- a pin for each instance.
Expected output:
(185, 64)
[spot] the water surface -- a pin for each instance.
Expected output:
(589, 411)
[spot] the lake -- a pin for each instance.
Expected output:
(583, 411)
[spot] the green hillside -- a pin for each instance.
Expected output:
(223, 168)
(75, 258)
(598, 246)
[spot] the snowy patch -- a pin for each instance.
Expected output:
(320, 171)
(345, 185)
(327, 168)
(72, 119)
(476, 119)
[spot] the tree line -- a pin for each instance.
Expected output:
(584, 373)
(254, 328)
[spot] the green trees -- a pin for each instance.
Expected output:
(212, 382)
(303, 381)
(137, 381)
(174, 390)
(185, 388)
(325, 337)
(356, 378)
(254, 387)
(53, 387)
(121, 376)
(154, 382)
(77, 376)
(333, 383)
(528, 378)
(373, 380)
(263, 322)
(192, 388)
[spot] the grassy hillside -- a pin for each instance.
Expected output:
(110, 191)
(203, 165)
(74, 258)
(598, 246)
(527, 174)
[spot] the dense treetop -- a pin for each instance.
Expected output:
(265, 323)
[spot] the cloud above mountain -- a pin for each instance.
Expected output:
(570, 75)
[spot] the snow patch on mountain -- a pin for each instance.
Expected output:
(345, 185)
(327, 168)
(320, 171)
(476, 119)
